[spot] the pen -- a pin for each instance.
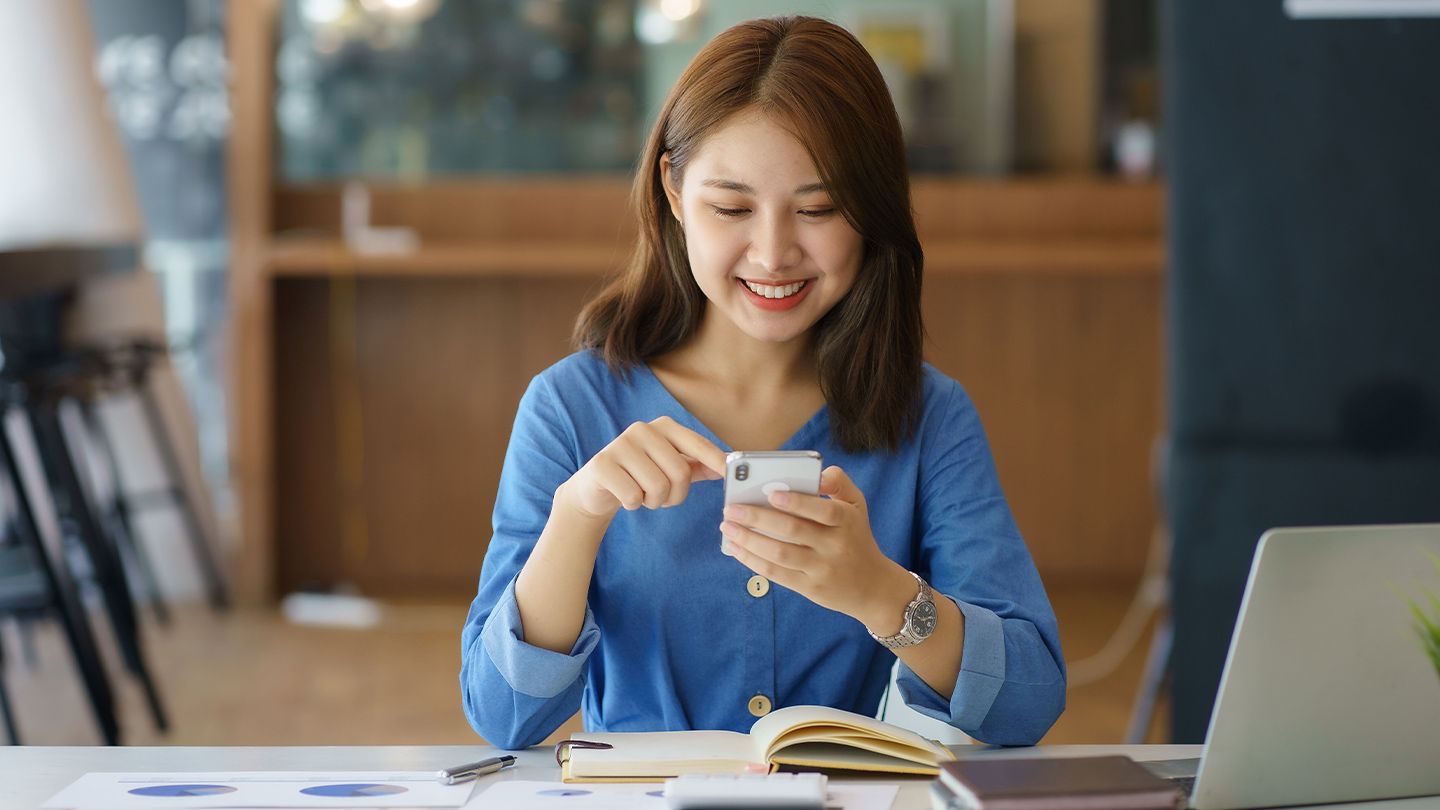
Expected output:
(464, 773)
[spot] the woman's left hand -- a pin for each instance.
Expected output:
(831, 558)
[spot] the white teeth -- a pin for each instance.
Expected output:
(784, 291)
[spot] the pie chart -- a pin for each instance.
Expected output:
(183, 790)
(355, 790)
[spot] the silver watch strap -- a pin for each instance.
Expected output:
(906, 637)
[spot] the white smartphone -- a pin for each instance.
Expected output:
(751, 476)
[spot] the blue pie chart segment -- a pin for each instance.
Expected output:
(183, 790)
(355, 790)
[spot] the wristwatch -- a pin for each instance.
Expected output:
(920, 616)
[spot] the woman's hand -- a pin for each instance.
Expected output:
(831, 558)
(651, 464)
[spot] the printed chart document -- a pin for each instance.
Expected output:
(520, 795)
(259, 789)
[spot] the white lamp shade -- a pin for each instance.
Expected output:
(64, 178)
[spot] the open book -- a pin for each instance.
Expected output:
(795, 737)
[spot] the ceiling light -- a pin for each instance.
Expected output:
(405, 10)
(323, 12)
(678, 10)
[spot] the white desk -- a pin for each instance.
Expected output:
(31, 774)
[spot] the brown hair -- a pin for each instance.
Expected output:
(817, 79)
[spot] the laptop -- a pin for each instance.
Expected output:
(1328, 693)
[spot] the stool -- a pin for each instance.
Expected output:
(48, 387)
(125, 368)
(35, 577)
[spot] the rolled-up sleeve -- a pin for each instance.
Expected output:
(530, 670)
(516, 694)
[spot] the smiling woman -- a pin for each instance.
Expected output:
(772, 302)
(820, 114)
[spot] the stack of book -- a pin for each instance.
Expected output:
(1078, 783)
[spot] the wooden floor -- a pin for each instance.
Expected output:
(249, 678)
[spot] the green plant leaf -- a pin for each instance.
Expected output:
(1426, 627)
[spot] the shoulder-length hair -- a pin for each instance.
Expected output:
(815, 78)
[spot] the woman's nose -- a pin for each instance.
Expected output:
(774, 246)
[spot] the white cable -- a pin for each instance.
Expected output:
(1152, 594)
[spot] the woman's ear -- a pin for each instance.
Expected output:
(672, 193)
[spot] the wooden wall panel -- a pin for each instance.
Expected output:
(441, 365)
(1065, 373)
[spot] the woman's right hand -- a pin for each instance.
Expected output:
(651, 464)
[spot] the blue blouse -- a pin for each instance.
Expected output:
(674, 639)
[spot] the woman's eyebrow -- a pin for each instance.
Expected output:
(744, 188)
(729, 185)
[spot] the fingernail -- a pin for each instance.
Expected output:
(729, 529)
(735, 512)
(780, 498)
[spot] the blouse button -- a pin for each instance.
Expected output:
(759, 705)
(758, 586)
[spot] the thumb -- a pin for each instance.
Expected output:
(836, 484)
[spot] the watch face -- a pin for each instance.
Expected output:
(922, 621)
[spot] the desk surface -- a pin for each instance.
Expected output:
(32, 774)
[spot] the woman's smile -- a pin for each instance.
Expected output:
(775, 297)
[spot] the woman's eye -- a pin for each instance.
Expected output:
(728, 212)
(817, 213)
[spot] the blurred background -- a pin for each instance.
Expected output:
(1180, 254)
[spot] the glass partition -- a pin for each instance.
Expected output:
(408, 89)
(389, 88)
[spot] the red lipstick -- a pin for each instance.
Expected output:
(775, 304)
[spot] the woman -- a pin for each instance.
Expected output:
(773, 302)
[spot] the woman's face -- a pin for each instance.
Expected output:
(766, 244)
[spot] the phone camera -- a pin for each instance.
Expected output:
(742, 472)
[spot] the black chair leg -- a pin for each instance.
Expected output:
(203, 545)
(114, 509)
(39, 525)
(120, 604)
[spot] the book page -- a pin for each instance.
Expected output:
(830, 756)
(798, 724)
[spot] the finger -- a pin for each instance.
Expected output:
(824, 511)
(836, 484)
(676, 467)
(692, 444)
(614, 479)
(700, 472)
(776, 524)
(781, 560)
(633, 457)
